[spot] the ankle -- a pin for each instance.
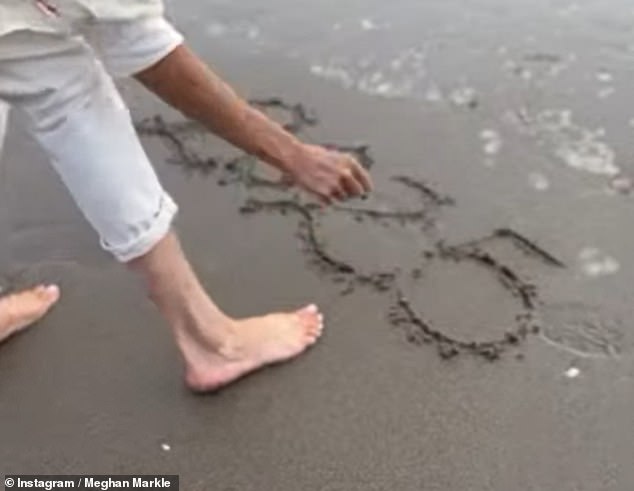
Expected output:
(202, 326)
(230, 344)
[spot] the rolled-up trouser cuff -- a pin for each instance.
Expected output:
(148, 235)
(71, 106)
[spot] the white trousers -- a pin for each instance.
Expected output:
(67, 100)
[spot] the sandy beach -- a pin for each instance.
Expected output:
(478, 306)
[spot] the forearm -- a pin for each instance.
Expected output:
(182, 80)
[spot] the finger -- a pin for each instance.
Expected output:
(338, 193)
(350, 184)
(363, 176)
(324, 200)
(323, 197)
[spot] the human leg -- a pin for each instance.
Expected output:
(74, 110)
(18, 310)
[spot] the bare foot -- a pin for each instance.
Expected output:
(20, 310)
(252, 344)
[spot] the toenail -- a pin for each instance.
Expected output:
(312, 308)
(321, 318)
(52, 289)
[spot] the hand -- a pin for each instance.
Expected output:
(328, 174)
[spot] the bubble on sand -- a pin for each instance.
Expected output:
(397, 77)
(517, 70)
(166, 447)
(215, 29)
(492, 141)
(526, 74)
(622, 184)
(573, 372)
(378, 84)
(578, 147)
(239, 30)
(595, 263)
(464, 96)
(605, 92)
(590, 156)
(334, 73)
(368, 25)
(253, 32)
(539, 181)
(604, 76)
(555, 70)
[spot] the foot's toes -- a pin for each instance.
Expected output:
(320, 326)
(261, 341)
(47, 294)
(20, 310)
(36, 302)
(311, 309)
(312, 321)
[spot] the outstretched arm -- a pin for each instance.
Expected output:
(182, 80)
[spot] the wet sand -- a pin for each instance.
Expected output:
(477, 305)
